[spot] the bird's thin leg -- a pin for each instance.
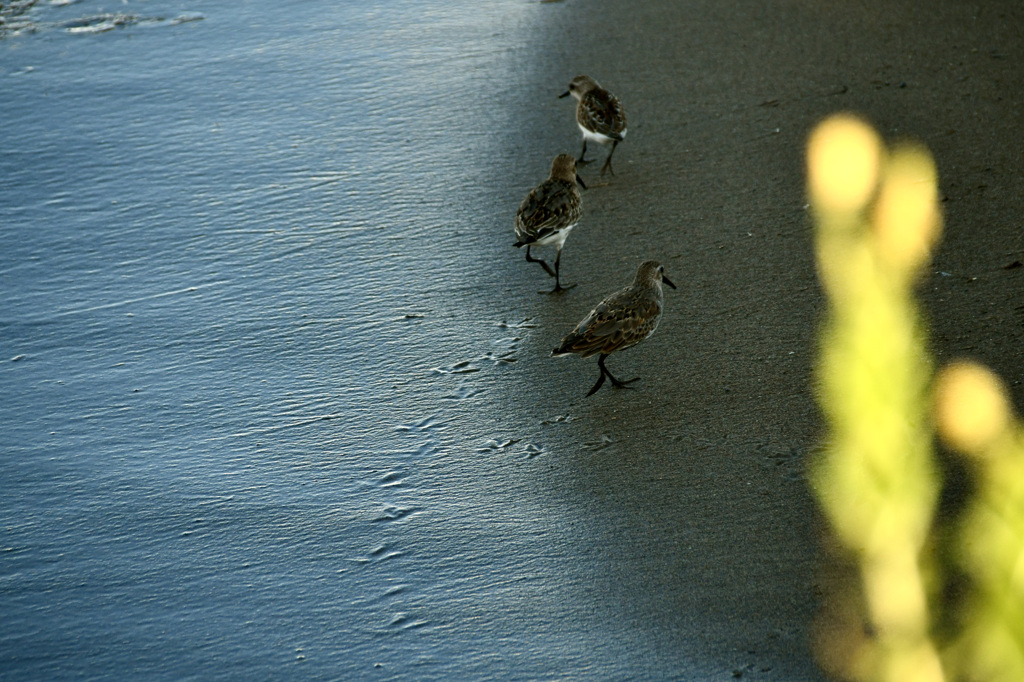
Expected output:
(543, 263)
(600, 379)
(615, 382)
(581, 161)
(608, 162)
(558, 283)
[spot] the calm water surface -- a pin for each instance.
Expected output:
(267, 363)
(250, 419)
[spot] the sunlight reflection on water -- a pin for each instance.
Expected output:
(227, 281)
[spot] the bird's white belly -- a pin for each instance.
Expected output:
(556, 238)
(597, 137)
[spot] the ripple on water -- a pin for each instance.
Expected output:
(378, 555)
(462, 367)
(391, 479)
(427, 424)
(403, 621)
(463, 392)
(17, 20)
(495, 446)
(533, 450)
(394, 514)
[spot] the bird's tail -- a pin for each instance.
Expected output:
(566, 347)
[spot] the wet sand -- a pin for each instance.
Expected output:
(719, 540)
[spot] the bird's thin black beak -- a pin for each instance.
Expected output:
(667, 281)
(564, 94)
(580, 180)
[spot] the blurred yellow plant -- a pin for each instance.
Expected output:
(876, 480)
(973, 415)
(878, 219)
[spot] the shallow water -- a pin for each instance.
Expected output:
(275, 395)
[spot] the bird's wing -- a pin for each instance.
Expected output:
(547, 208)
(603, 113)
(614, 324)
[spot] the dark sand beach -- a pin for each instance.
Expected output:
(721, 98)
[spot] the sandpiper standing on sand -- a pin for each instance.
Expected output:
(599, 115)
(624, 319)
(549, 212)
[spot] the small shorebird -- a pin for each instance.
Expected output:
(549, 212)
(600, 116)
(624, 319)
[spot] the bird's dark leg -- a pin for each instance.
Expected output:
(600, 379)
(608, 162)
(543, 263)
(581, 161)
(558, 283)
(615, 382)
